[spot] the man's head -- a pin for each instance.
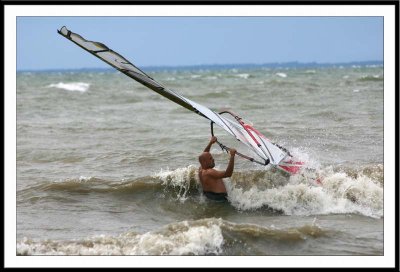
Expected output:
(206, 160)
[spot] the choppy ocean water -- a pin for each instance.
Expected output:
(106, 166)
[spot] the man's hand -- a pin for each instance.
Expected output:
(232, 151)
(212, 140)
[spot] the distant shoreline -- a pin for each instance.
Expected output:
(275, 65)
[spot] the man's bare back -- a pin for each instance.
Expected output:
(211, 179)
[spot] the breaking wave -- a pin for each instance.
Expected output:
(342, 191)
(72, 86)
(210, 236)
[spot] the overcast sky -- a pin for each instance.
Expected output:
(177, 41)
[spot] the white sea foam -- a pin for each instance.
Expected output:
(283, 75)
(179, 178)
(301, 154)
(84, 179)
(182, 238)
(72, 86)
(196, 240)
(339, 193)
(371, 77)
(245, 76)
(374, 66)
(301, 195)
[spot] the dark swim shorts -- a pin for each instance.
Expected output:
(216, 196)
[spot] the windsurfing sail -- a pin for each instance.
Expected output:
(267, 152)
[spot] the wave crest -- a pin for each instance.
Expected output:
(209, 236)
(341, 191)
(72, 86)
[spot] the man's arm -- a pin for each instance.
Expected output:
(229, 170)
(213, 140)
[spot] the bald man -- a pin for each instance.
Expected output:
(211, 179)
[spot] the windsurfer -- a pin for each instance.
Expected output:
(210, 178)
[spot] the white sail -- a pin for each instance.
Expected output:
(265, 149)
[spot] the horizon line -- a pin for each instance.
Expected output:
(288, 64)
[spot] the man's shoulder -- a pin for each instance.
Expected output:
(207, 171)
